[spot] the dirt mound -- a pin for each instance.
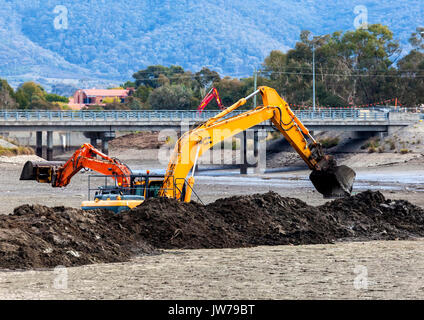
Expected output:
(369, 216)
(269, 219)
(141, 140)
(37, 236)
(40, 237)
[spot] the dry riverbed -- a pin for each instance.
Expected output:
(369, 270)
(393, 269)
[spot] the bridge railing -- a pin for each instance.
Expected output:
(176, 115)
(47, 115)
(353, 114)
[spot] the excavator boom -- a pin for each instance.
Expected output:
(328, 178)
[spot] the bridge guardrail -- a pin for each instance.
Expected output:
(354, 114)
(177, 115)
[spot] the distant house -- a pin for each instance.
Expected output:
(87, 97)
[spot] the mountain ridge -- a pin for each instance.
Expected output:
(111, 40)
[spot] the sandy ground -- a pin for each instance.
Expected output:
(373, 270)
(395, 269)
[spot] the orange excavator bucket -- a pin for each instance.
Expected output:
(40, 171)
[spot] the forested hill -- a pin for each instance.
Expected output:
(114, 38)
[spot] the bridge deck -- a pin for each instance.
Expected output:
(353, 119)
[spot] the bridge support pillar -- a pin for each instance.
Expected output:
(106, 137)
(39, 144)
(49, 145)
(68, 141)
(383, 135)
(243, 146)
(105, 146)
(259, 151)
(93, 142)
(256, 145)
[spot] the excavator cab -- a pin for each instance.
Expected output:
(147, 185)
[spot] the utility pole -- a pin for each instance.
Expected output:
(313, 72)
(255, 85)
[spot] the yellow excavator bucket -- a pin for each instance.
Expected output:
(333, 182)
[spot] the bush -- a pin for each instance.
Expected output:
(374, 143)
(404, 151)
(10, 152)
(52, 97)
(329, 142)
(110, 100)
(173, 97)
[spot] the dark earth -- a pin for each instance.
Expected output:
(36, 236)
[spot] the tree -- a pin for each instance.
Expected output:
(7, 96)
(410, 80)
(153, 76)
(350, 67)
(52, 97)
(134, 103)
(22, 100)
(38, 103)
(31, 95)
(128, 84)
(148, 77)
(230, 90)
(175, 97)
(417, 39)
(206, 78)
(28, 92)
(143, 93)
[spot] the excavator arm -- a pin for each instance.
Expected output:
(328, 178)
(213, 93)
(87, 157)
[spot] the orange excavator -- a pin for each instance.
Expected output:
(213, 93)
(59, 174)
(327, 177)
(130, 190)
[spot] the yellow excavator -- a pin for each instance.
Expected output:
(328, 178)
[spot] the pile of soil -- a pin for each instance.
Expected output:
(37, 236)
(141, 140)
(270, 219)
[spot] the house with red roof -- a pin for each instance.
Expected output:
(87, 97)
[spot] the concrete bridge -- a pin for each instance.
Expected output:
(103, 124)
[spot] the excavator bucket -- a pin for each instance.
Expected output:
(334, 182)
(39, 171)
